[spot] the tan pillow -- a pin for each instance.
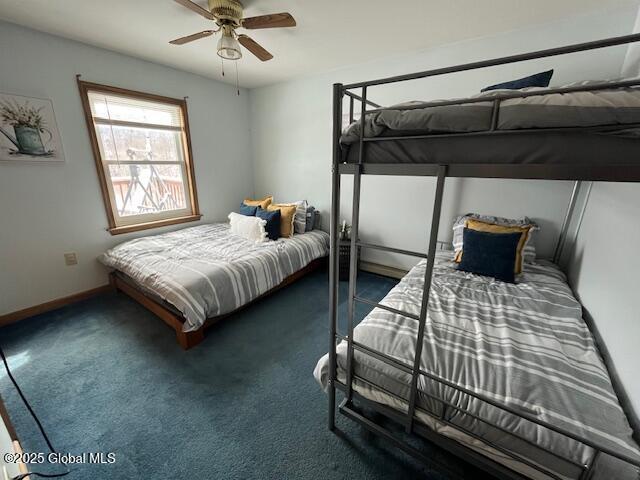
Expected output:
(263, 204)
(287, 215)
(479, 226)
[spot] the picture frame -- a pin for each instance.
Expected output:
(29, 130)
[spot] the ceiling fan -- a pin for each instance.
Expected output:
(228, 16)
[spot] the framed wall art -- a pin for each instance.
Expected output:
(28, 130)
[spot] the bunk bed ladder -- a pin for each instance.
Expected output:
(433, 240)
(353, 265)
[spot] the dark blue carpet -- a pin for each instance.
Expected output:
(105, 375)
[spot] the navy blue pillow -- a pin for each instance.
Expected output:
(248, 210)
(273, 222)
(490, 254)
(541, 79)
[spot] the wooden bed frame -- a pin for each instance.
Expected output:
(172, 318)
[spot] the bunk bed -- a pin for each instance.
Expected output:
(499, 434)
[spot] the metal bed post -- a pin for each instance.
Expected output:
(564, 230)
(353, 266)
(428, 275)
(333, 251)
(350, 110)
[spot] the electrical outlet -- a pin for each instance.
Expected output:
(70, 258)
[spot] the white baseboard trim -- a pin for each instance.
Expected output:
(383, 270)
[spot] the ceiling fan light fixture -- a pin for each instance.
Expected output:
(228, 45)
(229, 15)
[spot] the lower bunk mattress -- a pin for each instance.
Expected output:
(206, 271)
(523, 345)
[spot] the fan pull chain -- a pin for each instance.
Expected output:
(237, 79)
(222, 63)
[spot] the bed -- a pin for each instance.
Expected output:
(524, 345)
(194, 276)
(582, 132)
(540, 128)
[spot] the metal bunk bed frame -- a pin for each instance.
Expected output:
(575, 172)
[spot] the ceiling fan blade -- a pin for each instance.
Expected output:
(275, 20)
(194, 7)
(254, 48)
(191, 38)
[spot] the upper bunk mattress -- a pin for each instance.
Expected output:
(520, 131)
(206, 271)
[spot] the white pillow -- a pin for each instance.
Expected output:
(251, 228)
(300, 218)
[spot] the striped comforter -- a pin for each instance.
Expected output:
(206, 271)
(524, 345)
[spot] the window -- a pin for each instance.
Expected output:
(142, 150)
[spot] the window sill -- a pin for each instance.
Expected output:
(158, 223)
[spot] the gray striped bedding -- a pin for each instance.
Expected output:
(524, 345)
(206, 271)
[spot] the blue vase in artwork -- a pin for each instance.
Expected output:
(29, 140)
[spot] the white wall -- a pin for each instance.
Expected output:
(603, 267)
(631, 65)
(46, 210)
(291, 134)
(603, 272)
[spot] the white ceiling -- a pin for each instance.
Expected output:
(330, 33)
